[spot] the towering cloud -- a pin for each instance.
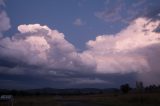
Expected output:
(134, 49)
(39, 50)
(125, 51)
(40, 46)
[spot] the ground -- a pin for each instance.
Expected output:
(149, 99)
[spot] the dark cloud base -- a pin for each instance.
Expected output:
(30, 82)
(64, 67)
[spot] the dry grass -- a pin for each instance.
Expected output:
(98, 100)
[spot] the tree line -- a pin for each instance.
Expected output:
(124, 89)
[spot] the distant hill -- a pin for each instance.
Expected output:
(53, 91)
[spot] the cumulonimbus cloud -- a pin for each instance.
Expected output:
(134, 49)
(124, 52)
(41, 46)
(120, 53)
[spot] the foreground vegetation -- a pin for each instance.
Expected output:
(125, 96)
(130, 99)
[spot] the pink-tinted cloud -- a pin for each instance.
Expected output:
(134, 49)
(120, 53)
(41, 46)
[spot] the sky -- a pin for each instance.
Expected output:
(79, 43)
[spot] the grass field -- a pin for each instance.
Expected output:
(150, 99)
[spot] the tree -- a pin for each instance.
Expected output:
(125, 88)
(139, 86)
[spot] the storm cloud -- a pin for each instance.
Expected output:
(41, 53)
(134, 49)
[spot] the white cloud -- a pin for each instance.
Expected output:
(124, 52)
(79, 22)
(33, 28)
(134, 49)
(120, 53)
(35, 46)
(41, 46)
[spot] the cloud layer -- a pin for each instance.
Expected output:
(134, 49)
(37, 50)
